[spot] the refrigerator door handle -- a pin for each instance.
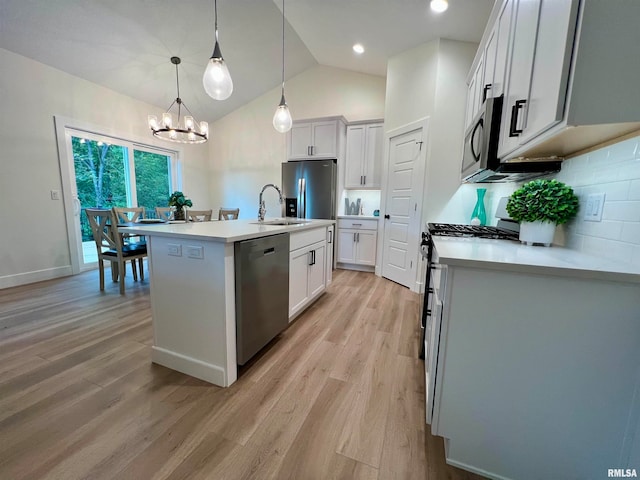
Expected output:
(303, 191)
(299, 199)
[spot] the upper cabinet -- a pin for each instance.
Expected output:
(560, 64)
(363, 165)
(315, 139)
(538, 70)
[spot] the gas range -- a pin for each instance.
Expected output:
(453, 230)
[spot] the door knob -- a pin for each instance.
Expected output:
(387, 217)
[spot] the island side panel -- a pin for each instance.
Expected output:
(193, 307)
(529, 385)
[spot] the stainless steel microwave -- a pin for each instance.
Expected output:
(480, 162)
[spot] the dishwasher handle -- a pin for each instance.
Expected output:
(269, 251)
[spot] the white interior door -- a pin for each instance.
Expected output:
(405, 184)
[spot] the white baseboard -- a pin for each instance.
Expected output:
(196, 368)
(478, 471)
(37, 276)
(352, 266)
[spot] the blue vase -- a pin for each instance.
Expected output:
(479, 212)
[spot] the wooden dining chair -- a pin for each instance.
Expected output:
(125, 215)
(111, 247)
(164, 213)
(199, 215)
(228, 213)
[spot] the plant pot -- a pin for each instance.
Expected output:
(179, 213)
(537, 233)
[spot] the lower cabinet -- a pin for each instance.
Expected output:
(357, 241)
(307, 270)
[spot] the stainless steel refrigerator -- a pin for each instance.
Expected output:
(309, 188)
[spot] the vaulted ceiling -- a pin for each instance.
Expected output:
(125, 45)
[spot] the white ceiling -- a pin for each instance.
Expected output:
(125, 45)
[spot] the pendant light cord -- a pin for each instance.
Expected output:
(179, 100)
(215, 17)
(283, 48)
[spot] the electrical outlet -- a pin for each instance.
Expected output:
(593, 207)
(174, 249)
(55, 194)
(195, 251)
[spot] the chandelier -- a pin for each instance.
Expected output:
(189, 131)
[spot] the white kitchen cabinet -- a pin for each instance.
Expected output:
(315, 139)
(363, 165)
(307, 269)
(538, 70)
(357, 242)
(487, 80)
(563, 67)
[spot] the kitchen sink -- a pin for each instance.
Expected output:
(283, 221)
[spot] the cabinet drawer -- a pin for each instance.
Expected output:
(357, 224)
(306, 237)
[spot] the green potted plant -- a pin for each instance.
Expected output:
(539, 206)
(179, 201)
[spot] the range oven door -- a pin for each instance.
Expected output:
(425, 296)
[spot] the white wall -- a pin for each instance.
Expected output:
(430, 81)
(246, 151)
(33, 235)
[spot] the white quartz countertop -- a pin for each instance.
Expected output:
(223, 231)
(366, 217)
(514, 256)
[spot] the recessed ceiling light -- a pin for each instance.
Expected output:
(358, 48)
(439, 6)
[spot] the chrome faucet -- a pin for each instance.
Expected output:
(262, 210)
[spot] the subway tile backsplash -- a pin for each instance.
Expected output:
(615, 171)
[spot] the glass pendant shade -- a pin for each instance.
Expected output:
(282, 119)
(217, 79)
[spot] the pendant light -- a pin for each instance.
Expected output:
(217, 79)
(188, 132)
(282, 119)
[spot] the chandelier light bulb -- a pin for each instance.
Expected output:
(167, 120)
(188, 122)
(204, 128)
(153, 122)
(439, 6)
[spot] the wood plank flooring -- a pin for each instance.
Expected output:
(338, 395)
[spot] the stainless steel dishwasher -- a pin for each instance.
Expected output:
(262, 292)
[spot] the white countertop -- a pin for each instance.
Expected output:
(223, 231)
(365, 217)
(514, 256)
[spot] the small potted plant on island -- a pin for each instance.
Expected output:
(179, 201)
(539, 206)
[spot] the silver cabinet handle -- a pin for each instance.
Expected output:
(309, 150)
(365, 180)
(330, 236)
(358, 237)
(356, 224)
(354, 237)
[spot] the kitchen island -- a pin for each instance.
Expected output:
(535, 369)
(192, 276)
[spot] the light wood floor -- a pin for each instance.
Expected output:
(339, 395)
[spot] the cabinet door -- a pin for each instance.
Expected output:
(325, 141)
(355, 156)
(366, 247)
(556, 29)
(316, 283)
(503, 31)
(477, 86)
(329, 255)
(300, 140)
(346, 246)
(298, 272)
(372, 170)
(521, 61)
(490, 52)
